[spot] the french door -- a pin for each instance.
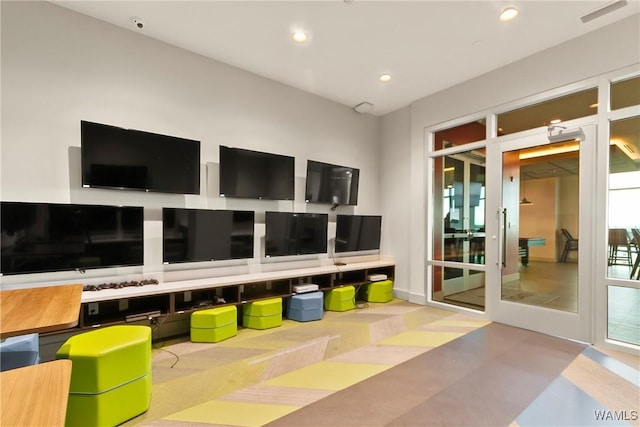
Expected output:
(540, 207)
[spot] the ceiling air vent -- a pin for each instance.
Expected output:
(601, 11)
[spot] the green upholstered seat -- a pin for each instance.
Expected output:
(379, 291)
(263, 314)
(340, 299)
(110, 375)
(214, 324)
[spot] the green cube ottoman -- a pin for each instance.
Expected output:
(214, 324)
(263, 314)
(110, 375)
(340, 299)
(379, 291)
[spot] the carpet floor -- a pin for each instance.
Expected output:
(393, 364)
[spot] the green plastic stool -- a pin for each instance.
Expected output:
(110, 375)
(340, 299)
(214, 324)
(263, 314)
(379, 291)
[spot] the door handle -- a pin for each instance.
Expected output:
(502, 241)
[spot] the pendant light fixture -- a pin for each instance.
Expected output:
(524, 200)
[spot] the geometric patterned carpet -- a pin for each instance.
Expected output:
(244, 381)
(337, 370)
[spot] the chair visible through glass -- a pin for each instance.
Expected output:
(571, 244)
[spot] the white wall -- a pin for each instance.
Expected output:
(610, 48)
(60, 67)
(395, 183)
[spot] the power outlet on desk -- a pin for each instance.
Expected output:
(93, 308)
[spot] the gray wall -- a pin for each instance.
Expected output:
(607, 49)
(60, 67)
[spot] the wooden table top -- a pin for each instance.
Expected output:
(35, 395)
(40, 309)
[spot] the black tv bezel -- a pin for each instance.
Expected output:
(179, 145)
(139, 239)
(227, 171)
(355, 184)
(297, 252)
(213, 212)
(359, 247)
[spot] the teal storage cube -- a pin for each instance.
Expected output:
(110, 376)
(305, 307)
(214, 324)
(19, 351)
(340, 299)
(379, 291)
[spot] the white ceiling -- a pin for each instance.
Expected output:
(426, 45)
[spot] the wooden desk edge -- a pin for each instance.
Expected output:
(75, 292)
(36, 395)
(43, 329)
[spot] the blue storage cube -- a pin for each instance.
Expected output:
(306, 307)
(20, 351)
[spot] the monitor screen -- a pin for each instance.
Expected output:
(47, 237)
(192, 235)
(295, 233)
(114, 157)
(256, 175)
(332, 184)
(358, 232)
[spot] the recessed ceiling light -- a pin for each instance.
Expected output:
(384, 78)
(299, 37)
(555, 121)
(509, 14)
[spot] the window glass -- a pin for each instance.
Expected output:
(541, 214)
(460, 135)
(624, 192)
(623, 314)
(576, 105)
(462, 287)
(625, 93)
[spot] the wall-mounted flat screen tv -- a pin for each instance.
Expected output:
(256, 175)
(47, 237)
(113, 157)
(295, 233)
(332, 184)
(358, 233)
(193, 235)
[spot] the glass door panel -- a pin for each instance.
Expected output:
(539, 197)
(459, 229)
(623, 243)
(536, 273)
